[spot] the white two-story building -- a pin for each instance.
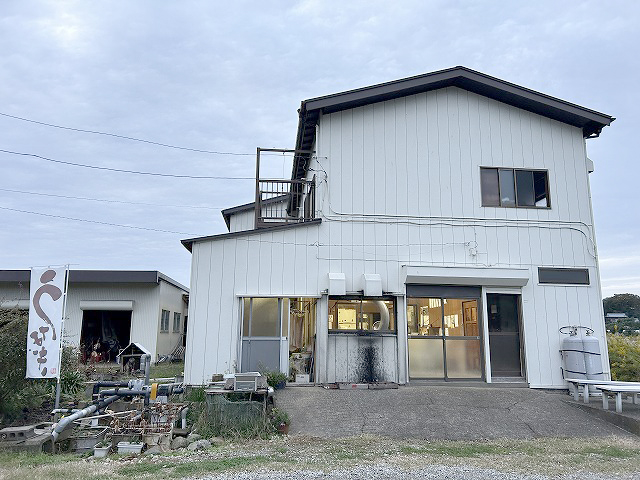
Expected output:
(434, 227)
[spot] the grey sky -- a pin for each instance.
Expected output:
(229, 76)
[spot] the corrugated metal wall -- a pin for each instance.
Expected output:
(148, 301)
(144, 318)
(403, 188)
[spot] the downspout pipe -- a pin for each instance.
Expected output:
(66, 421)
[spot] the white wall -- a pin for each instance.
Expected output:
(148, 301)
(144, 318)
(403, 189)
(242, 221)
(170, 298)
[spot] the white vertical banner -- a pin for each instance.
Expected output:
(46, 299)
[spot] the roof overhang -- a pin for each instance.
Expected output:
(98, 276)
(590, 121)
(188, 242)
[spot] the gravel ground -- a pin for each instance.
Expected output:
(434, 472)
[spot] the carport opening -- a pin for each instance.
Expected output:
(104, 334)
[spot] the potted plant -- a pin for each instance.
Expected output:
(280, 421)
(276, 379)
(101, 449)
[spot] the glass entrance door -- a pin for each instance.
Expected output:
(444, 338)
(504, 335)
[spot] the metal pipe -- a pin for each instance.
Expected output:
(64, 410)
(98, 385)
(125, 392)
(66, 421)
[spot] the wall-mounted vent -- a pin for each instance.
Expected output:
(564, 276)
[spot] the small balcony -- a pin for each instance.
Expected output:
(283, 202)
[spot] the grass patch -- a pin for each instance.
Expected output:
(26, 459)
(166, 370)
(611, 451)
(217, 465)
(458, 450)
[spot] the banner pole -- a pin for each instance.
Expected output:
(64, 314)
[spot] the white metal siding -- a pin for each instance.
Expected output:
(170, 298)
(144, 318)
(242, 221)
(403, 189)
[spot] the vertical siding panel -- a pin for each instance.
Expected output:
(195, 294)
(360, 186)
(424, 205)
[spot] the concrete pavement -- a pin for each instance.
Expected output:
(438, 413)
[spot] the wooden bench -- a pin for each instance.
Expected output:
(618, 390)
(576, 383)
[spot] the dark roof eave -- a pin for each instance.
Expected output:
(463, 77)
(188, 242)
(98, 276)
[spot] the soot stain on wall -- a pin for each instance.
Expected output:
(369, 368)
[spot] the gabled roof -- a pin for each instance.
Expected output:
(590, 121)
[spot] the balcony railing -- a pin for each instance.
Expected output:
(283, 202)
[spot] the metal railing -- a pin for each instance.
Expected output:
(283, 202)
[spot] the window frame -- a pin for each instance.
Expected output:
(176, 326)
(515, 187)
(361, 298)
(164, 321)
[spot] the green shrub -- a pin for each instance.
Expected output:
(274, 377)
(20, 395)
(624, 357)
(279, 417)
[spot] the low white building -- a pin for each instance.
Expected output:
(113, 308)
(434, 227)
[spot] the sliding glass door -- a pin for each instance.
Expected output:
(444, 338)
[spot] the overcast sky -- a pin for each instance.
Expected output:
(229, 76)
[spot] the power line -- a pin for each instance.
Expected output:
(135, 227)
(107, 200)
(125, 137)
(119, 170)
(135, 139)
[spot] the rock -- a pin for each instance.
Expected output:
(179, 442)
(193, 437)
(155, 450)
(199, 445)
(217, 441)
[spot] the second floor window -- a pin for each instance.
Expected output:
(164, 321)
(514, 187)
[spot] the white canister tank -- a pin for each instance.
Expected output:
(592, 357)
(573, 358)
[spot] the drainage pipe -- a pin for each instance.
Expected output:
(98, 385)
(66, 421)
